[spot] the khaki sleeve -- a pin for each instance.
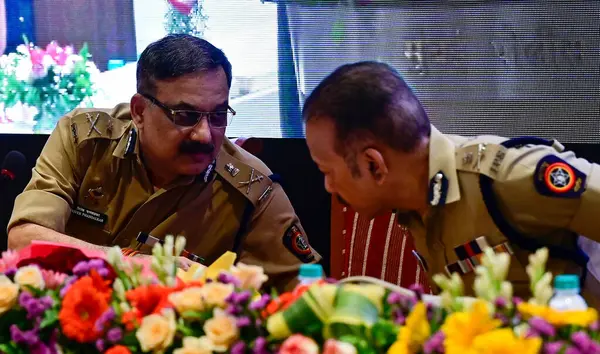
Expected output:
(276, 241)
(49, 195)
(542, 191)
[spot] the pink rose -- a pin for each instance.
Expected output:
(299, 344)
(333, 346)
(57, 53)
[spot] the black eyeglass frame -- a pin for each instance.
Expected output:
(173, 113)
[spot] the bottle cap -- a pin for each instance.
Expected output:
(311, 271)
(566, 282)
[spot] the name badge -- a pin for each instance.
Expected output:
(90, 215)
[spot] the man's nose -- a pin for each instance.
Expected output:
(201, 131)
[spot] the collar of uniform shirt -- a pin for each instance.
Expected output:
(442, 157)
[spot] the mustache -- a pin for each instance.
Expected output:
(342, 201)
(195, 147)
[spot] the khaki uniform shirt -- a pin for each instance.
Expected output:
(90, 183)
(529, 197)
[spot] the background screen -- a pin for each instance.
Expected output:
(480, 67)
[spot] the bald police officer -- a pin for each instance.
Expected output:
(371, 137)
(162, 165)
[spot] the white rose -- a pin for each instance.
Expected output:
(189, 299)
(30, 275)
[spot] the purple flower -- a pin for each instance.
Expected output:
(41, 348)
(331, 280)
(502, 317)
(260, 346)
(398, 317)
(103, 272)
(260, 303)
(242, 298)
(35, 307)
(233, 310)
(418, 290)
(10, 272)
(582, 341)
(100, 345)
(572, 350)
(595, 326)
(24, 337)
(114, 335)
(238, 348)
(394, 298)
(96, 263)
(500, 303)
(243, 322)
(542, 327)
(227, 278)
(258, 322)
(67, 285)
(81, 268)
(517, 300)
(435, 343)
(107, 316)
(553, 347)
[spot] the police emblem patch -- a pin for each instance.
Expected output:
(555, 177)
(295, 241)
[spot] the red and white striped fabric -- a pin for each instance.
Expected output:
(378, 248)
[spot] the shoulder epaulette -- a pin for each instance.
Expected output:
(252, 183)
(482, 158)
(96, 125)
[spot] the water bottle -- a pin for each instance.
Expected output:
(310, 273)
(566, 294)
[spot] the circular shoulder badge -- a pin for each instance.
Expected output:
(559, 177)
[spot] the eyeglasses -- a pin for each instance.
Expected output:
(189, 118)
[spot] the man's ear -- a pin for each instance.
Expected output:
(138, 106)
(376, 165)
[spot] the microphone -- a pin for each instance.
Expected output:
(12, 167)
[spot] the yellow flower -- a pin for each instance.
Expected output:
(504, 341)
(189, 299)
(9, 292)
(559, 318)
(215, 294)
(157, 331)
(193, 345)
(414, 333)
(31, 276)
(461, 328)
(221, 329)
(250, 277)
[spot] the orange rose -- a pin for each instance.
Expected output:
(118, 349)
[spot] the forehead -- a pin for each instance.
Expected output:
(202, 90)
(320, 138)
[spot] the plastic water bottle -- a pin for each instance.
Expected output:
(566, 294)
(310, 273)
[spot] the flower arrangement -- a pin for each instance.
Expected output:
(114, 305)
(38, 86)
(185, 16)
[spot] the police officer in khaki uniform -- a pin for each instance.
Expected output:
(372, 139)
(159, 166)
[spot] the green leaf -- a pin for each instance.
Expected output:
(130, 339)
(196, 315)
(11, 348)
(50, 318)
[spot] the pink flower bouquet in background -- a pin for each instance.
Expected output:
(39, 85)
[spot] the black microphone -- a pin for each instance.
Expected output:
(13, 166)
